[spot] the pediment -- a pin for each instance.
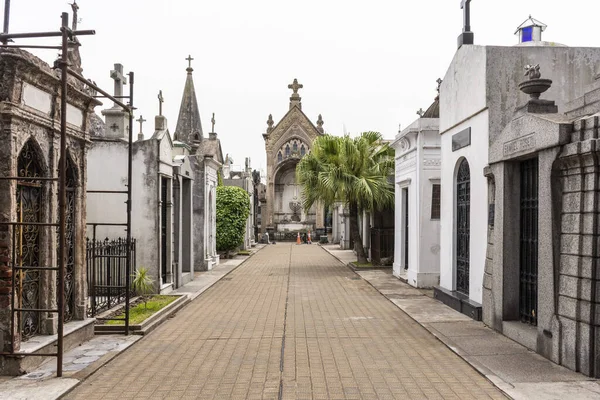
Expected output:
(295, 124)
(529, 133)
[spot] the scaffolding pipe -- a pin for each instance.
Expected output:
(34, 35)
(6, 18)
(80, 78)
(129, 171)
(62, 194)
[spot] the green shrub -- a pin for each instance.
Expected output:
(143, 284)
(233, 208)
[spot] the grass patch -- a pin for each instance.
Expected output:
(243, 253)
(141, 312)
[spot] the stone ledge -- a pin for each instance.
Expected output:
(458, 302)
(374, 267)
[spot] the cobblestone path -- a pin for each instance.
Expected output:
(290, 323)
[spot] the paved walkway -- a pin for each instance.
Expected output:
(84, 360)
(294, 323)
(519, 372)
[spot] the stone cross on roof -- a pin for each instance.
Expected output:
(161, 100)
(120, 80)
(465, 5)
(295, 86)
(189, 60)
(75, 8)
(420, 112)
(141, 120)
(212, 120)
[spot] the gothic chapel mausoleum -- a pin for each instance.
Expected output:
(286, 143)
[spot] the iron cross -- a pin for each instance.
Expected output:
(213, 123)
(189, 60)
(295, 86)
(439, 84)
(465, 5)
(161, 100)
(141, 120)
(120, 80)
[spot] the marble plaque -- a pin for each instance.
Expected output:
(74, 116)
(461, 139)
(36, 98)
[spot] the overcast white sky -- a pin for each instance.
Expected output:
(365, 65)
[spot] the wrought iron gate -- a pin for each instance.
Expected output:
(463, 219)
(71, 184)
(529, 242)
(107, 272)
(29, 209)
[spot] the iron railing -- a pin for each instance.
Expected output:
(382, 244)
(107, 273)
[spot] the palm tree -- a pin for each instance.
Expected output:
(352, 170)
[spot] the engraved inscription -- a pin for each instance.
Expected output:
(520, 144)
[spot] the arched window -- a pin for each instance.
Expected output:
(279, 157)
(287, 150)
(302, 150)
(295, 147)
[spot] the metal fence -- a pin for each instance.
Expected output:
(382, 244)
(106, 273)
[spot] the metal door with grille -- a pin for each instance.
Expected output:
(71, 184)
(406, 227)
(529, 242)
(29, 210)
(163, 230)
(463, 220)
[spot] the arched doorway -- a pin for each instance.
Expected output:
(29, 203)
(463, 221)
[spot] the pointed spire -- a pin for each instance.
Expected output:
(320, 123)
(189, 126)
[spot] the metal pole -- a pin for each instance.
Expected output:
(62, 195)
(129, 172)
(6, 18)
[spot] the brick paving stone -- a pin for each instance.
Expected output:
(340, 339)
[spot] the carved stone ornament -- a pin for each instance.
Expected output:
(404, 144)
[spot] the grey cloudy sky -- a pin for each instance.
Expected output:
(365, 65)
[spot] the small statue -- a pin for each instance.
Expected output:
(533, 71)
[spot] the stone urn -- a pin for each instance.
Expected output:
(535, 86)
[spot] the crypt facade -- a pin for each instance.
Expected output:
(286, 143)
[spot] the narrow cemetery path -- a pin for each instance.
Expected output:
(290, 323)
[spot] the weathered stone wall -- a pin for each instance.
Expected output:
(577, 276)
(30, 112)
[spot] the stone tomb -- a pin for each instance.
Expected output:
(206, 159)
(540, 275)
(417, 197)
(30, 138)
